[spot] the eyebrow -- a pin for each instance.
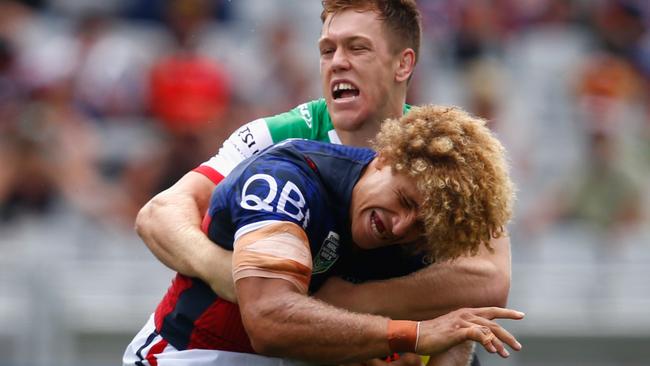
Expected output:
(348, 39)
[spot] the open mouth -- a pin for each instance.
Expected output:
(377, 225)
(344, 90)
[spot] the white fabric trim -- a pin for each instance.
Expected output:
(245, 142)
(254, 226)
(334, 137)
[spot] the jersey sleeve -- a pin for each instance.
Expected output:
(245, 142)
(257, 135)
(300, 122)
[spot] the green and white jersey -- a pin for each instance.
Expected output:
(310, 121)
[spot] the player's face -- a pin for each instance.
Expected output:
(358, 71)
(384, 208)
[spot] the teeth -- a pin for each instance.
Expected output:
(373, 225)
(343, 86)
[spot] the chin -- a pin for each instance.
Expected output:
(367, 244)
(358, 240)
(364, 246)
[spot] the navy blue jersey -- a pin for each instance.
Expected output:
(304, 182)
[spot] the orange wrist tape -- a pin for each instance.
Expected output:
(402, 335)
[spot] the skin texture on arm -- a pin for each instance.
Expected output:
(272, 267)
(170, 226)
(484, 280)
(281, 321)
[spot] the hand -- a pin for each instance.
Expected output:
(440, 334)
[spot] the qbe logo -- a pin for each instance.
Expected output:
(291, 201)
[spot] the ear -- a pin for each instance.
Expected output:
(406, 65)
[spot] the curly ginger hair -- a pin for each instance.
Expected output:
(460, 168)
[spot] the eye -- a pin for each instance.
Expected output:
(404, 201)
(326, 51)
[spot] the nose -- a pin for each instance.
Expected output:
(404, 226)
(340, 60)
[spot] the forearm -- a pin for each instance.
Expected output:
(170, 226)
(283, 322)
(483, 280)
(295, 326)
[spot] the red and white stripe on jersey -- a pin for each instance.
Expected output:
(245, 142)
(217, 327)
(210, 173)
(280, 249)
(145, 346)
(148, 348)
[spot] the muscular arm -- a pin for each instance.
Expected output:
(282, 322)
(170, 226)
(482, 280)
(271, 267)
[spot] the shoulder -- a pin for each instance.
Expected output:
(275, 186)
(309, 120)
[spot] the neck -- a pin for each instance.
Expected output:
(370, 127)
(359, 137)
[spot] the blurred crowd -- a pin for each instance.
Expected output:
(565, 84)
(104, 104)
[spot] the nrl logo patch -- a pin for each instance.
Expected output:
(328, 253)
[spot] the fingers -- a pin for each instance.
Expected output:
(469, 324)
(501, 313)
(492, 336)
(502, 335)
(494, 344)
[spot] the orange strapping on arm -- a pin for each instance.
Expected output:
(403, 335)
(280, 250)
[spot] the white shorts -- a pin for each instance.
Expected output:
(148, 348)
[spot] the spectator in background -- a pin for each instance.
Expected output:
(26, 184)
(619, 24)
(54, 131)
(10, 90)
(189, 93)
(604, 193)
(610, 97)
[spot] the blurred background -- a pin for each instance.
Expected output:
(104, 104)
